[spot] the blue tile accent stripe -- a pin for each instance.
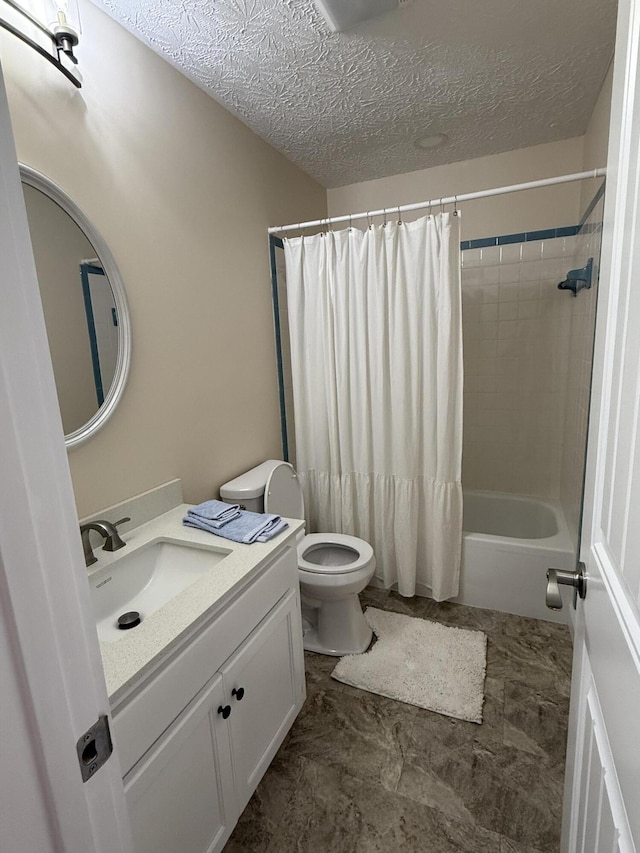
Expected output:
(511, 238)
(523, 237)
(276, 242)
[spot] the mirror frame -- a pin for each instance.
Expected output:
(45, 185)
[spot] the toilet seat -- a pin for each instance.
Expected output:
(333, 553)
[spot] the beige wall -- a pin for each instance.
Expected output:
(596, 140)
(183, 193)
(508, 214)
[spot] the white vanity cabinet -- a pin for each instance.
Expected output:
(263, 668)
(197, 736)
(180, 795)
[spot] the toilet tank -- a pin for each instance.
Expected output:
(248, 488)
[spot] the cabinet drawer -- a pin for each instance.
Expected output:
(144, 715)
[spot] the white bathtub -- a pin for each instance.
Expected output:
(508, 544)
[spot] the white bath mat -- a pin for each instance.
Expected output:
(422, 663)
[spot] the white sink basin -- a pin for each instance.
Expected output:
(145, 580)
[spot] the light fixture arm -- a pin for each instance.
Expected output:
(63, 40)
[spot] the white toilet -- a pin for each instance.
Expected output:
(333, 567)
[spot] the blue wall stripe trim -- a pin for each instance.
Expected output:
(276, 242)
(522, 237)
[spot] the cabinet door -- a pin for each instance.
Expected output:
(180, 794)
(267, 672)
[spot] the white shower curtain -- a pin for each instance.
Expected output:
(376, 348)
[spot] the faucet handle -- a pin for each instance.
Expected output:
(114, 542)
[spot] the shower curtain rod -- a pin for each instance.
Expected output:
(454, 199)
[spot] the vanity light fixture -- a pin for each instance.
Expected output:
(61, 30)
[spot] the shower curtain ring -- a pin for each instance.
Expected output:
(455, 205)
(349, 222)
(384, 213)
(399, 216)
(368, 220)
(441, 206)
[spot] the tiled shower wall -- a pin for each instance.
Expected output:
(528, 350)
(516, 351)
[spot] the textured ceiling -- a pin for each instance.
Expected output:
(493, 75)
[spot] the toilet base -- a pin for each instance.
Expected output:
(311, 644)
(340, 628)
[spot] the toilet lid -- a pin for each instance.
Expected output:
(282, 492)
(333, 553)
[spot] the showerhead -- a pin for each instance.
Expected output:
(579, 279)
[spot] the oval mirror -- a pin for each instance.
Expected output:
(85, 308)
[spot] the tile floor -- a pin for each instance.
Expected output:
(362, 773)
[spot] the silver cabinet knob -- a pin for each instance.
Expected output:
(556, 577)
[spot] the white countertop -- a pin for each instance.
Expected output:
(138, 651)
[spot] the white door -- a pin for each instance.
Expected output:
(603, 767)
(53, 686)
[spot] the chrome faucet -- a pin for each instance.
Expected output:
(108, 530)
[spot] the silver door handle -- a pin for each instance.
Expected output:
(556, 577)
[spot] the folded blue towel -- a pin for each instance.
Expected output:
(214, 513)
(247, 527)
